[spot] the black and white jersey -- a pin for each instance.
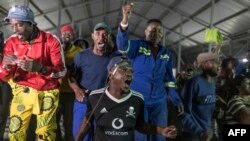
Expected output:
(116, 119)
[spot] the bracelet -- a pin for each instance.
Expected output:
(124, 25)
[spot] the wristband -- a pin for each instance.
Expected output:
(124, 25)
(42, 69)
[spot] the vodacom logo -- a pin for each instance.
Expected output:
(117, 123)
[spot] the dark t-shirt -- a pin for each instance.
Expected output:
(116, 119)
(92, 69)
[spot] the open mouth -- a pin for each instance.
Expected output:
(67, 38)
(128, 82)
(101, 44)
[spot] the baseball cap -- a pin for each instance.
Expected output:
(67, 28)
(202, 57)
(118, 60)
(104, 26)
(20, 13)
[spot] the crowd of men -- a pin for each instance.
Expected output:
(115, 89)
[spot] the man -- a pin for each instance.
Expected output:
(5, 99)
(90, 71)
(81, 42)
(183, 76)
(152, 71)
(117, 110)
(34, 60)
(66, 97)
(198, 96)
(237, 111)
(243, 68)
(224, 85)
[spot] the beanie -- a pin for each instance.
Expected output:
(67, 28)
(202, 57)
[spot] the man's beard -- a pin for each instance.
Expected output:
(66, 40)
(154, 40)
(213, 73)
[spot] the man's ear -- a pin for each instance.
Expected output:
(110, 74)
(145, 32)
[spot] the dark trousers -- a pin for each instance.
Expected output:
(31, 135)
(5, 98)
(173, 120)
(65, 110)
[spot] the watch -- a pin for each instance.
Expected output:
(43, 69)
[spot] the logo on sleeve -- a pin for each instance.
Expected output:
(206, 99)
(103, 111)
(130, 112)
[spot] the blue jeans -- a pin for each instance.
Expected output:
(79, 112)
(156, 115)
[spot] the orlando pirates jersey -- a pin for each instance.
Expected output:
(116, 119)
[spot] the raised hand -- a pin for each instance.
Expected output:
(126, 12)
(127, 9)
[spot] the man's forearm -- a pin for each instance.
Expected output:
(72, 83)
